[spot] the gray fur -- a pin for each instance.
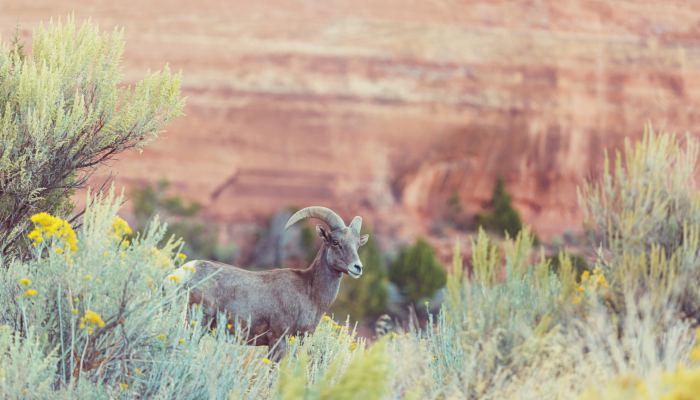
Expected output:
(283, 301)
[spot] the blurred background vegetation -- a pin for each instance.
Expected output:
(201, 239)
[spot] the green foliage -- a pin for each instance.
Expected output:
(140, 345)
(501, 216)
(201, 240)
(26, 369)
(500, 335)
(486, 320)
(417, 271)
(578, 262)
(644, 213)
(365, 297)
(364, 378)
(454, 213)
(64, 111)
(120, 283)
(17, 46)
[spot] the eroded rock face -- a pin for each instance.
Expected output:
(385, 109)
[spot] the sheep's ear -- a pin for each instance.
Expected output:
(356, 224)
(322, 233)
(364, 239)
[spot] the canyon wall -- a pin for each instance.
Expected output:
(387, 108)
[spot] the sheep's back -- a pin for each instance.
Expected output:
(261, 296)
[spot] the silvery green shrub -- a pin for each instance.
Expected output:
(63, 111)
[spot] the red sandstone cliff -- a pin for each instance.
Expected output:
(389, 106)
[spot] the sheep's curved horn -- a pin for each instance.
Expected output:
(324, 214)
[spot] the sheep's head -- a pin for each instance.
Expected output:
(342, 242)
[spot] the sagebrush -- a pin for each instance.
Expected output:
(64, 111)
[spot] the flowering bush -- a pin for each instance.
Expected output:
(63, 110)
(590, 285)
(100, 321)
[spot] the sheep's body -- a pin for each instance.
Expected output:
(290, 305)
(274, 303)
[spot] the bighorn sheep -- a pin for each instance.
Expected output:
(279, 302)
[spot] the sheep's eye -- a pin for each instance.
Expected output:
(336, 243)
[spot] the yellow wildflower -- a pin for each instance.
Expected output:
(182, 256)
(137, 371)
(30, 292)
(292, 339)
(229, 326)
(174, 278)
(124, 386)
(585, 275)
(94, 318)
(71, 238)
(74, 311)
(91, 319)
(181, 341)
(266, 361)
(87, 277)
(326, 318)
(683, 383)
(162, 337)
(46, 226)
(695, 353)
(43, 219)
(120, 228)
(25, 281)
(36, 237)
(600, 278)
(193, 322)
(353, 345)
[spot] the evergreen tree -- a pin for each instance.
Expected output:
(417, 271)
(501, 216)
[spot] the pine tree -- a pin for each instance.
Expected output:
(501, 216)
(417, 271)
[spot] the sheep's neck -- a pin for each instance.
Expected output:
(325, 281)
